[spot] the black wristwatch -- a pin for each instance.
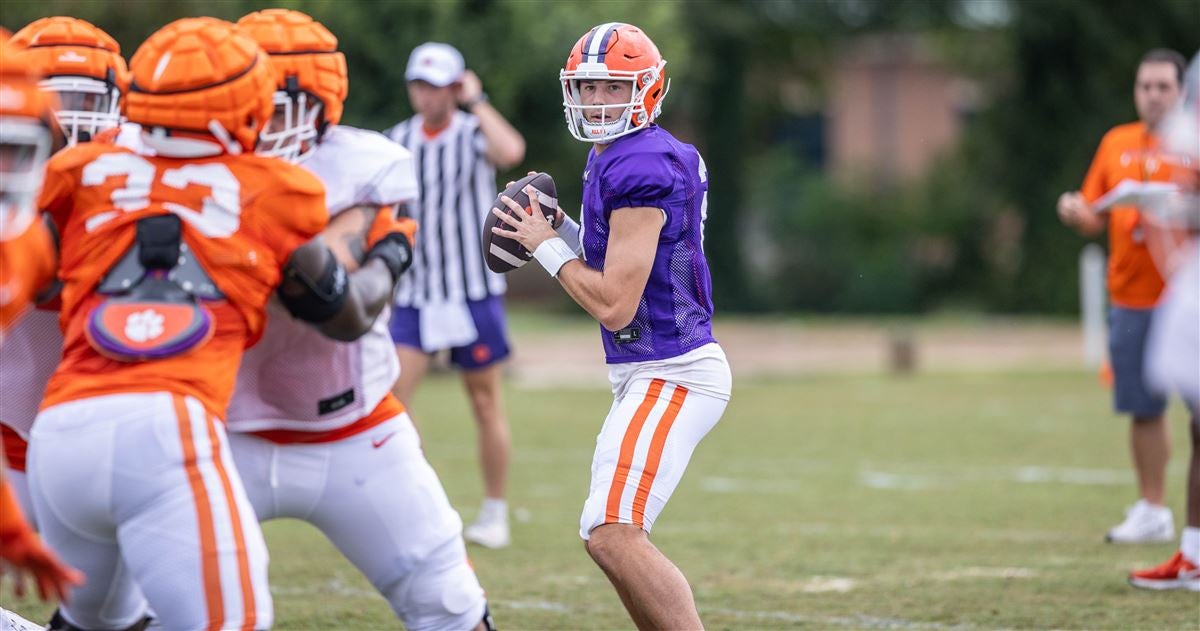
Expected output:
(470, 105)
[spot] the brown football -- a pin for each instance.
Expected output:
(502, 253)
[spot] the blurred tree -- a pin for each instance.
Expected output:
(981, 230)
(1072, 80)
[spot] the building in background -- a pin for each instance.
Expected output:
(892, 109)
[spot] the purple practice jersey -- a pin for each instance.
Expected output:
(650, 168)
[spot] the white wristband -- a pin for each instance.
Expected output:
(569, 231)
(553, 254)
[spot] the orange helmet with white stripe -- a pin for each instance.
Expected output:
(26, 140)
(614, 52)
(83, 66)
(199, 76)
(311, 79)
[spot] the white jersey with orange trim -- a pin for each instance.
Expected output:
(296, 378)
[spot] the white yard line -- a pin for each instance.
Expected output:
(984, 572)
(859, 621)
(757, 487)
(535, 605)
(871, 477)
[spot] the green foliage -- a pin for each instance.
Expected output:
(860, 249)
(980, 231)
(1072, 80)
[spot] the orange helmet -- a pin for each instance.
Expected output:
(199, 76)
(614, 52)
(26, 140)
(83, 66)
(311, 79)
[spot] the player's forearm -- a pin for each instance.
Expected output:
(599, 295)
(503, 144)
(369, 292)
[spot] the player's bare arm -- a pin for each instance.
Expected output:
(504, 146)
(317, 289)
(610, 295)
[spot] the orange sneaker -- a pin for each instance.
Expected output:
(1176, 573)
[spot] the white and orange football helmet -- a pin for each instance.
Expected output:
(83, 66)
(311, 80)
(200, 77)
(614, 52)
(26, 140)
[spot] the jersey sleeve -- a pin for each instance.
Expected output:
(293, 210)
(395, 176)
(60, 195)
(637, 180)
(58, 187)
(1095, 183)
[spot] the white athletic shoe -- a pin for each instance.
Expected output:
(10, 621)
(490, 530)
(1144, 523)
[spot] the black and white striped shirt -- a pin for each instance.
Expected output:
(457, 186)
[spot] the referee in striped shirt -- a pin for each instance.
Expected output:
(449, 299)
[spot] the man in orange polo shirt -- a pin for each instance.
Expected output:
(1128, 152)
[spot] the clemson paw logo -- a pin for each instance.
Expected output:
(142, 326)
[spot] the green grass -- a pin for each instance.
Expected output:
(996, 491)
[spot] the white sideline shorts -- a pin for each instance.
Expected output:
(139, 492)
(661, 410)
(380, 503)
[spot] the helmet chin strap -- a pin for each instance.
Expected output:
(222, 136)
(605, 129)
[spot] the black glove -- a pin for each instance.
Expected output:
(395, 251)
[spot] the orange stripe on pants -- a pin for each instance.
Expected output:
(209, 562)
(628, 444)
(654, 456)
(249, 613)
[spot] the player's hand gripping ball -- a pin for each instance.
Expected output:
(504, 254)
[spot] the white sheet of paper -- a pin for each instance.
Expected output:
(1134, 193)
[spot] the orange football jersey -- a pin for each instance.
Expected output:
(242, 217)
(1128, 152)
(26, 265)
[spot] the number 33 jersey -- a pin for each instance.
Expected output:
(242, 216)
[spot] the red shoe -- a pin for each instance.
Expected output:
(1176, 573)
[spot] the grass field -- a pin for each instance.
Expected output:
(955, 500)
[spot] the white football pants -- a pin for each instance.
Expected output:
(380, 503)
(661, 410)
(139, 492)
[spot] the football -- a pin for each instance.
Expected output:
(502, 253)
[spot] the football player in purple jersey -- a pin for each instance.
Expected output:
(644, 277)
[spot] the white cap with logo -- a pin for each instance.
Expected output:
(436, 63)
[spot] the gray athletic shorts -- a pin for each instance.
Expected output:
(1127, 333)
